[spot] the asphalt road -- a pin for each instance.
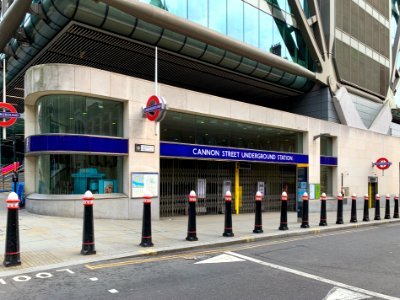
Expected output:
(357, 264)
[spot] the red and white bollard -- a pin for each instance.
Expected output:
(192, 234)
(283, 224)
(339, 218)
(88, 246)
(146, 224)
(258, 217)
(377, 207)
(304, 217)
(12, 254)
(396, 207)
(323, 221)
(353, 217)
(366, 208)
(228, 215)
(387, 207)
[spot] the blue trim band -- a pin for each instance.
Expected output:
(328, 160)
(75, 143)
(232, 154)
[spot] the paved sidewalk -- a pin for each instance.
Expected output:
(47, 242)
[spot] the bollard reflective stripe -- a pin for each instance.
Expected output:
(228, 198)
(12, 204)
(88, 198)
(147, 199)
(258, 196)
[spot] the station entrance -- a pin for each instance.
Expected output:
(211, 179)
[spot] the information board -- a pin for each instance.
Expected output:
(141, 182)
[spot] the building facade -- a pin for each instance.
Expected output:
(266, 96)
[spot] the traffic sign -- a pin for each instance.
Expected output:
(12, 115)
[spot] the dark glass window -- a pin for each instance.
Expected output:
(75, 174)
(326, 180)
(79, 115)
(192, 129)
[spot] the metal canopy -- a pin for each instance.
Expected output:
(82, 45)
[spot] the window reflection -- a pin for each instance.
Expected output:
(191, 129)
(235, 19)
(217, 15)
(79, 115)
(75, 174)
(251, 29)
(267, 30)
(198, 11)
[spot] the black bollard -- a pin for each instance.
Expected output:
(322, 221)
(353, 217)
(192, 234)
(12, 255)
(366, 208)
(88, 246)
(304, 218)
(284, 223)
(228, 215)
(258, 218)
(387, 207)
(339, 219)
(146, 223)
(396, 207)
(377, 207)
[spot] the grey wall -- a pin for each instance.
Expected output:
(316, 104)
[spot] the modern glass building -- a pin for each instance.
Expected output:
(277, 95)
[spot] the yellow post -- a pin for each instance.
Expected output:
(371, 197)
(237, 192)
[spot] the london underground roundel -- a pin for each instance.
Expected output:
(382, 163)
(155, 108)
(12, 115)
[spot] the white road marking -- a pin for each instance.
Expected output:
(43, 275)
(223, 258)
(93, 279)
(113, 291)
(66, 270)
(342, 294)
(314, 277)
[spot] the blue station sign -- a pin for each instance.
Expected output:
(220, 153)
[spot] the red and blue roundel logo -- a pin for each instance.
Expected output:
(12, 115)
(382, 163)
(155, 108)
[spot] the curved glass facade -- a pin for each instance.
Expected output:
(268, 27)
(75, 174)
(79, 115)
